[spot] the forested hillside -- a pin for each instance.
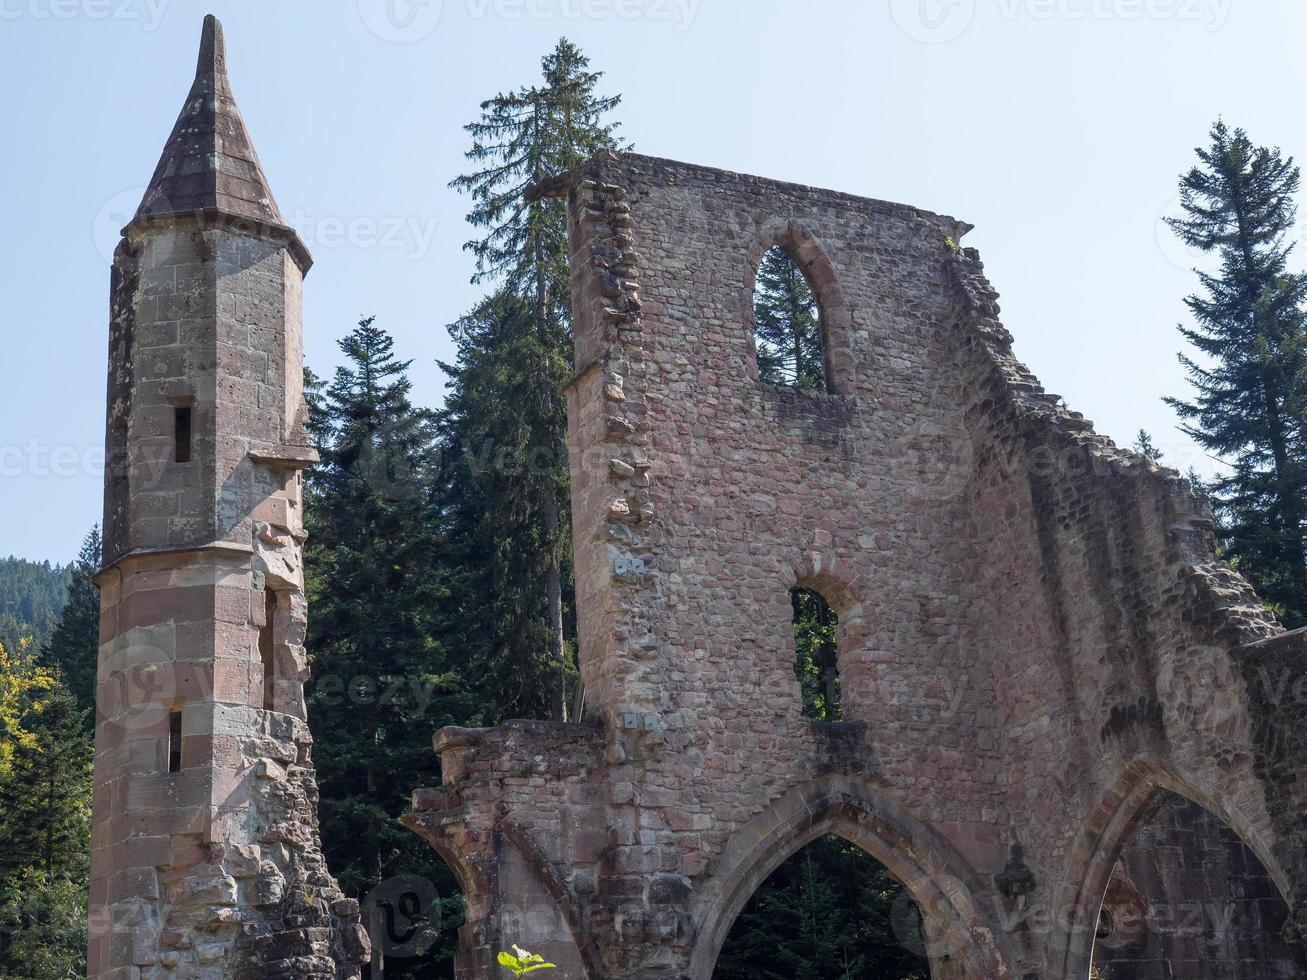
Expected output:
(31, 596)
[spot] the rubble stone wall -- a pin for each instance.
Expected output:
(1031, 621)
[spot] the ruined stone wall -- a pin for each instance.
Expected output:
(1027, 615)
(1121, 636)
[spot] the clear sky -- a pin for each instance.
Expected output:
(1057, 127)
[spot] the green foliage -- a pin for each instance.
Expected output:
(43, 919)
(1144, 446)
(815, 664)
(73, 647)
(45, 821)
(1250, 380)
(520, 962)
(831, 912)
(504, 427)
(501, 399)
(522, 137)
(382, 680)
(787, 326)
(31, 596)
(24, 686)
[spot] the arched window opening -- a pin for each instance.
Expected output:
(268, 649)
(787, 328)
(831, 912)
(1188, 898)
(815, 662)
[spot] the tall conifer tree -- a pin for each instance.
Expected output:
(73, 647)
(1250, 382)
(382, 681)
(787, 327)
(521, 137)
(45, 823)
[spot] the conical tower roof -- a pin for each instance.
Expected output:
(209, 163)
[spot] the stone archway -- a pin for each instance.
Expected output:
(514, 897)
(1103, 838)
(962, 938)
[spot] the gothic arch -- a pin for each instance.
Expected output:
(935, 876)
(554, 885)
(1103, 837)
(836, 316)
(471, 881)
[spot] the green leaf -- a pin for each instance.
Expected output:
(509, 962)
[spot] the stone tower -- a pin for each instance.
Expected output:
(206, 859)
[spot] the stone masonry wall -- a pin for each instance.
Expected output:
(214, 869)
(1026, 614)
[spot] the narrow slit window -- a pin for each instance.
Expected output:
(182, 433)
(815, 662)
(787, 330)
(174, 741)
(267, 649)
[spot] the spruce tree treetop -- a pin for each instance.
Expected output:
(508, 384)
(1250, 383)
(522, 137)
(73, 647)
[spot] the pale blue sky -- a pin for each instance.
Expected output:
(1057, 127)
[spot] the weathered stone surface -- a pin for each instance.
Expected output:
(205, 844)
(1034, 635)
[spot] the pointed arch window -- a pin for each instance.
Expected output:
(787, 325)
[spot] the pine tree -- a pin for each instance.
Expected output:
(787, 327)
(520, 138)
(501, 550)
(1145, 446)
(73, 647)
(1250, 401)
(45, 823)
(382, 681)
(45, 801)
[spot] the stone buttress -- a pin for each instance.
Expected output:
(206, 859)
